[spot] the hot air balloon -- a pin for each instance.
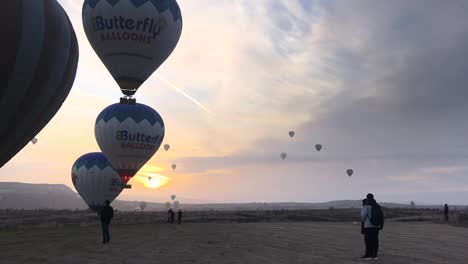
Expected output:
(291, 134)
(349, 172)
(318, 147)
(34, 141)
(166, 147)
(132, 37)
(95, 180)
(39, 57)
(283, 155)
(173, 166)
(176, 204)
(168, 205)
(142, 205)
(129, 134)
(173, 197)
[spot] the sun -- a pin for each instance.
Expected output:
(155, 183)
(152, 180)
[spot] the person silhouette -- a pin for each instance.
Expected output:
(106, 214)
(372, 216)
(179, 216)
(169, 213)
(446, 212)
(172, 216)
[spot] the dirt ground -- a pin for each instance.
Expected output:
(234, 243)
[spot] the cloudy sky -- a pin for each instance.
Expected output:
(381, 84)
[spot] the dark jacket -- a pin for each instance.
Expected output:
(107, 213)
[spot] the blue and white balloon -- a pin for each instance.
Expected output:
(129, 135)
(132, 37)
(38, 62)
(96, 180)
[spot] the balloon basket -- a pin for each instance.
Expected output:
(127, 100)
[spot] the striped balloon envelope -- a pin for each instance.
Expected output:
(129, 134)
(38, 61)
(95, 180)
(132, 37)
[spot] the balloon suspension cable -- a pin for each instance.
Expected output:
(127, 100)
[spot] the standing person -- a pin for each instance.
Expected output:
(172, 216)
(372, 216)
(169, 213)
(107, 213)
(446, 212)
(179, 217)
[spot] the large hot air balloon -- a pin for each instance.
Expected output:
(132, 37)
(283, 155)
(129, 134)
(349, 172)
(95, 180)
(173, 197)
(318, 147)
(291, 133)
(38, 60)
(166, 147)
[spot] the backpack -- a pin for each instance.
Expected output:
(377, 216)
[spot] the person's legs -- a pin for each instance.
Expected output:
(107, 233)
(367, 240)
(373, 241)
(104, 237)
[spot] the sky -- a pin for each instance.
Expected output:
(381, 84)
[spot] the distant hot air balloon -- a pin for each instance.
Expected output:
(349, 172)
(34, 141)
(318, 147)
(174, 166)
(129, 135)
(143, 205)
(95, 180)
(132, 37)
(166, 147)
(173, 197)
(168, 205)
(291, 133)
(176, 204)
(283, 155)
(39, 57)
(150, 178)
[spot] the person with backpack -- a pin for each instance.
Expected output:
(373, 219)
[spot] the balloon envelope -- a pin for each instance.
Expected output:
(39, 57)
(143, 205)
(173, 196)
(166, 147)
(291, 134)
(95, 180)
(129, 135)
(349, 172)
(283, 155)
(34, 140)
(132, 37)
(168, 205)
(174, 166)
(318, 147)
(176, 204)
